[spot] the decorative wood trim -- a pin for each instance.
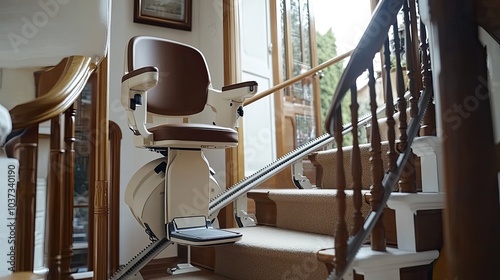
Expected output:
(101, 150)
(279, 104)
(27, 149)
(319, 169)
(92, 176)
(234, 156)
(428, 230)
(389, 218)
(77, 70)
(265, 208)
(67, 192)
(53, 229)
(115, 137)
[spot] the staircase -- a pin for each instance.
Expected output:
(297, 230)
(294, 240)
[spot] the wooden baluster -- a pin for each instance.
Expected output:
(414, 21)
(389, 109)
(67, 192)
(356, 164)
(341, 234)
(53, 227)
(26, 202)
(377, 168)
(429, 123)
(407, 182)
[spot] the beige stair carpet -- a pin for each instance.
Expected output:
(272, 253)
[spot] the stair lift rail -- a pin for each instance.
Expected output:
(252, 181)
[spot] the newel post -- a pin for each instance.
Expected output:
(464, 121)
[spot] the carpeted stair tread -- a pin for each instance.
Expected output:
(272, 253)
(312, 210)
(328, 160)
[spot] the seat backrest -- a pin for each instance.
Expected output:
(184, 78)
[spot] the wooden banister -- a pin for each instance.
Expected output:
(76, 71)
(297, 78)
(57, 90)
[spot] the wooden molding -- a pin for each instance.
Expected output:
(265, 208)
(59, 98)
(101, 163)
(115, 136)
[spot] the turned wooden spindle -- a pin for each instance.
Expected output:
(389, 109)
(407, 183)
(26, 202)
(428, 126)
(356, 164)
(53, 226)
(67, 192)
(414, 21)
(377, 190)
(341, 234)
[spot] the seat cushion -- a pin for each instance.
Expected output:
(211, 134)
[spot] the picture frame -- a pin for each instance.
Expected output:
(166, 13)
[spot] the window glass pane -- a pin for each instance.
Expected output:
(80, 238)
(81, 179)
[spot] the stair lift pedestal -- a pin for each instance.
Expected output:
(182, 268)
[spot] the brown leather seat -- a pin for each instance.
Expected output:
(181, 92)
(194, 132)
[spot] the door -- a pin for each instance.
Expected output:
(259, 128)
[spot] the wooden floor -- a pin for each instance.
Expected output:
(157, 269)
(203, 274)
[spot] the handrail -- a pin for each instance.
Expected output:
(297, 78)
(369, 44)
(77, 70)
(263, 174)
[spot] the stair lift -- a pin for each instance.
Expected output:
(164, 85)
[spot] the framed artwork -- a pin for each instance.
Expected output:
(167, 13)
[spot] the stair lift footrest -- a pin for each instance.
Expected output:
(202, 235)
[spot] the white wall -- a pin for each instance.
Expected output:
(206, 35)
(493, 53)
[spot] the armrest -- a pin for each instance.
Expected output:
(228, 103)
(141, 79)
(135, 85)
(240, 91)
